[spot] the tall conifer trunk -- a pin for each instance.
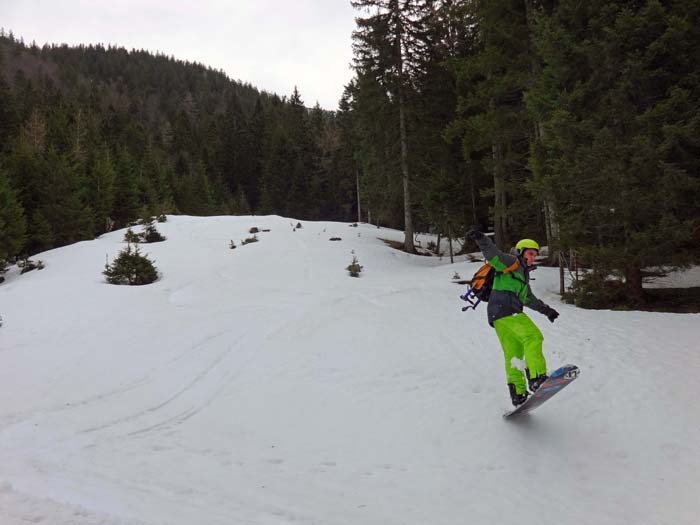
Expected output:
(551, 220)
(633, 284)
(408, 219)
(500, 218)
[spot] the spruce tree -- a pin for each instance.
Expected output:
(384, 45)
(8, 113)
(491, 115)
(101, 178)
(126, 205)
(618, 100)
(130, 267)
(13, 224)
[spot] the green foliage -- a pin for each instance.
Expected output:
(596, 290)
(92, 136)
(131, 237)
(130, 267)
(618, 157)
(151, 233)
(13, 224)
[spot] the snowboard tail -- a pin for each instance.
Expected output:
(558, 380)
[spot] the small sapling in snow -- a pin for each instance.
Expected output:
(354, 268)
(131, 268)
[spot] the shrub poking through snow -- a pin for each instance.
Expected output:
(354, 268)
(254, 230)
(28, 265)
(131, 237)
(151, 233)
(162, 218)
(254, 238)
(336, 239)
(131, 268)
(232, 245)
(298, 226)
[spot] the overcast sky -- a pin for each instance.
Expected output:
(272, 44)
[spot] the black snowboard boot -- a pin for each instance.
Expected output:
(517, 399)
(534, 383)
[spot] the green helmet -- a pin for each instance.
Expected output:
(524, 244)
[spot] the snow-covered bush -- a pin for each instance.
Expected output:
(151, 233)
(254, 238)
(131, 237)
(354, 268)
(131, 267)
(28, 265)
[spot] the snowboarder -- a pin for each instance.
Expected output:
(518, 335)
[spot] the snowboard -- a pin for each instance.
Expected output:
(557, 380)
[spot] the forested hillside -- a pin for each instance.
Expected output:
(575, 123)
(92, 138)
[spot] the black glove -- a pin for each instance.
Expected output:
(474, 235)
(551, 314)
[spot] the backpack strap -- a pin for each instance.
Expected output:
(512, 267)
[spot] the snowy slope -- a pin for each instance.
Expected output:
(263, 385)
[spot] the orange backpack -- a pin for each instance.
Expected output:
(482, 283)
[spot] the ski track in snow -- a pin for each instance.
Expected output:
(262, 385)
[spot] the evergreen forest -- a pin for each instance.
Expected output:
(575, 123)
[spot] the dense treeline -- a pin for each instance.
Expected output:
(577, 123)
(93, 138)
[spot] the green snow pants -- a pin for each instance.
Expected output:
(520, 338)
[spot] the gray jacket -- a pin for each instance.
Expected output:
(511, 291)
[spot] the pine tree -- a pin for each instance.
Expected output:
(8, 113)
(491, 114)
(70, 216)
(302, 159)
(234, 135)
(252, 176)
(347, 188)
(131, 268)
(126, 206)
(384, 44)
(100, 188)
(447, 198)
(151, 233)
(13, 224)
(618, 100)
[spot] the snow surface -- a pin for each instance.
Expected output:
(263, 385)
